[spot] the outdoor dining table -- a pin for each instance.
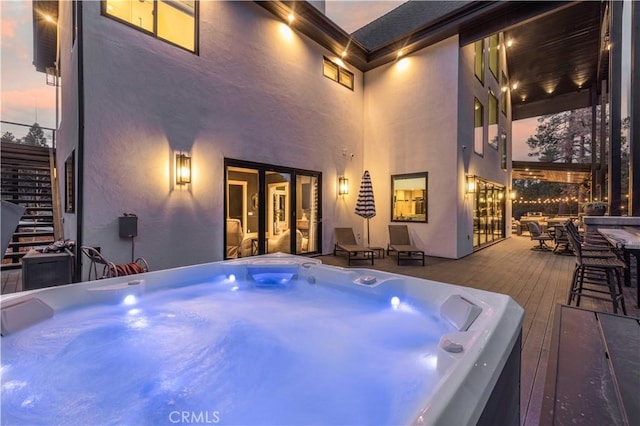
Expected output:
(628, 240)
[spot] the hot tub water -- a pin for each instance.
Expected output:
(227, 352)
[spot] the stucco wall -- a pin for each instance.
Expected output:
(410, 109)
(255, 92)
(67, 133)
(486, 166)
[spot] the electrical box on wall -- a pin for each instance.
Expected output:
(128, 225)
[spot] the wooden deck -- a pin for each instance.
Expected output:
(538, 281)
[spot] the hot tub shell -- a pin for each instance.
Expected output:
(483, 388)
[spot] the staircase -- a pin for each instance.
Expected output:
(28, 179)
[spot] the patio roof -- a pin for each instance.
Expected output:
(551, 172)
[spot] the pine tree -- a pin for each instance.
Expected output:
(8, 137)
(35, 136)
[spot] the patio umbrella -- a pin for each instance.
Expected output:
(366, 206)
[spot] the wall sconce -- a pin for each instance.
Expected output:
(471, 184)
(513, 194)
(183, 169)
(343, 185)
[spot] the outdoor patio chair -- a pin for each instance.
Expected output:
(234, 238)
(346, 241)
(109, 269)
(594, 276)
(537, 235)
(400, 242)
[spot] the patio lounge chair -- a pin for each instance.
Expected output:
(110, 269)
(539, 236)
(346, 241)
(400, 242)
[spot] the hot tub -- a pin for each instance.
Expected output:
(275, 339)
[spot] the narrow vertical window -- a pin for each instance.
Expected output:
(493, 120)
(504, 93)
(70, 183)
(478, 135)
(478, 60)
(503, 150)
(494, 57)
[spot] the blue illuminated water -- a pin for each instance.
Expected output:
(225, 353)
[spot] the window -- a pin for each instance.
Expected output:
(503, 150)
(493, 120)
(70, 183)
(494, 57)
(504, 91)
(478, 60)
(175, 20)
(409, 197)
(336, 73)
(478, 134)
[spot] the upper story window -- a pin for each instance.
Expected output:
(494, 57)
(478, 127)
(170, 20)
(337, 73)
(478, 60)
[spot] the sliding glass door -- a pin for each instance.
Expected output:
(270, 209)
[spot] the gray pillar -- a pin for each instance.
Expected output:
(634, 113)
(615, 124)
(603, 143)
(594, 141)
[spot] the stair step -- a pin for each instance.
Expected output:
(39, 209)
(35, 225)
(8, 266)
(48, 217)
(38, 243)
(13, 186)
(27, 234)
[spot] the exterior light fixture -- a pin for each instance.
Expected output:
(343, 185)
(291, 18)
(183, 169)
(513, 194)
(471, 184)
(344, 54)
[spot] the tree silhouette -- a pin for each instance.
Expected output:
(8, 137)
(564, 137)
(35, 136)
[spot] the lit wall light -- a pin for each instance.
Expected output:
(514, 86)
(343, 54)
(400, 53)
(513, 194)
(343, 185)
(291, 18)
(509, 43)
(471, 184)
(183, 169)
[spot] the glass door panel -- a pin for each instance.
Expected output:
(489, 222)
(307, 212)
(278, 225)
(266, 213)
(242, 212)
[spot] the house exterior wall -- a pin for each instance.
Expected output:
(486, 166)
(410, 109)
(255, 92)
(67, 132)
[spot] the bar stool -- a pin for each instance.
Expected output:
(594, 276)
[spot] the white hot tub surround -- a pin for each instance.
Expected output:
(473, 352)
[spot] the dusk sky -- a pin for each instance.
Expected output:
(26, 98)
